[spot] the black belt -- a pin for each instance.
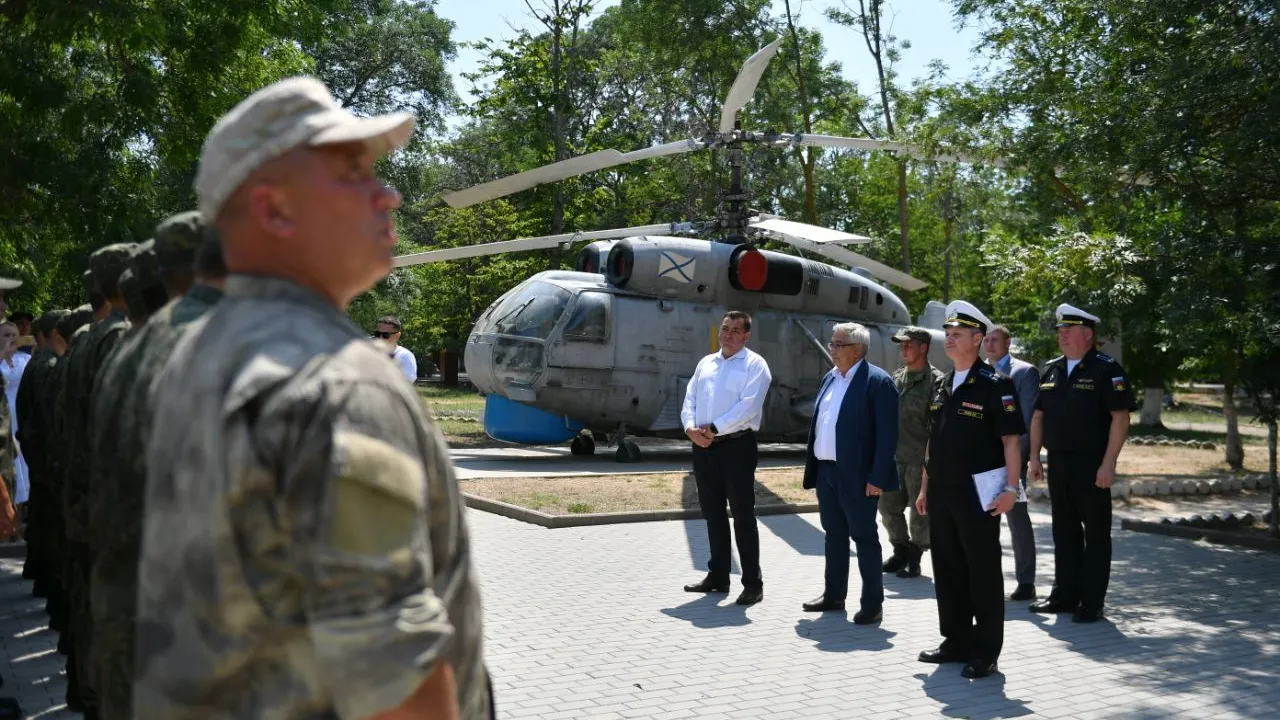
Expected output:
(731, 436)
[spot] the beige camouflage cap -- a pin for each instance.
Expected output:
(177, 238)
(276, 119)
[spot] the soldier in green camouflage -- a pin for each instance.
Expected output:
(121, 422)
(915, 381)
(32, 437)
(305, 550)
(75, 404)
(143, 291)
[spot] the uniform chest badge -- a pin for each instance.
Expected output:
(972, 406)
(1006, 401)
(1083, 385)
(933, 406)
(1117, 383)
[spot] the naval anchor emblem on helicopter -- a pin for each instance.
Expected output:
(604, 352)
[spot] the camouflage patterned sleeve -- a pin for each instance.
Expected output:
(354, 492)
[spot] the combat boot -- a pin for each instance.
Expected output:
(898, 560)
(912, 567)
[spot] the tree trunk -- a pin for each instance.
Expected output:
(1275, 483)
(808, 157)
(902, 217)
(1234, 450)
(1152, 400)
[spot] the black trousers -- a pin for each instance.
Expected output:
(967, 578)
(726, 473)
(1081, 529)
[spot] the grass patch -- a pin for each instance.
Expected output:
(465, 433)
(621, 493)
(443, 400)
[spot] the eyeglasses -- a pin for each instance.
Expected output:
(381, 334)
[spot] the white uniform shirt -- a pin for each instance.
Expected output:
(824, 442)
(727, 392)
(407, 362)
(959, 379)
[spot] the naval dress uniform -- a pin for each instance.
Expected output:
(1076, 400)
(968, 418)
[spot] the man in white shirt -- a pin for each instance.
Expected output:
(389, 332)
(851, 462)
(723, 406)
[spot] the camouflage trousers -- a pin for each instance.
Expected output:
(80, 621)
(111, 660)
(893, 504)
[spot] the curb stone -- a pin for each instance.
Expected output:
(1221, 537)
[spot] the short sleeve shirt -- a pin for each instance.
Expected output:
(966, 427)
(1077, 406)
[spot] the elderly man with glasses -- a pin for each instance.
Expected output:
(850, 462)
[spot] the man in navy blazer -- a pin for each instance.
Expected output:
(850, 462)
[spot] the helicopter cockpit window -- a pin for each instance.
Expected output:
(590, 319)
(532, 312)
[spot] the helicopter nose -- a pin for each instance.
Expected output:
(478, 357)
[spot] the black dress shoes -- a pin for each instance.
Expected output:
(1087, 614)
(1051, 605)
(864, 617)
(751, 595)
(708, 585)
(975, 669)
(821, 604)
(942, 655)
(1024, 591)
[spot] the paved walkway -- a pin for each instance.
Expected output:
(592, 623)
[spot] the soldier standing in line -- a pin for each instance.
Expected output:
(30, 436)
(974, 430)
(122, 423)
(305, 551)
(75, 404)
(915, 381)
(1083, 419)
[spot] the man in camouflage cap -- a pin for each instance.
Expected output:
(915, 381)
(108, 264)
(144, 293)
(122, 424)
(320, 447)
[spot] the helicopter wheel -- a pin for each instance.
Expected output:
(582, 445)
(628, 452)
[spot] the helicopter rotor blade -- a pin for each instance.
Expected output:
(836, 141)
(671, 148)
(524, 244)
(812, 233)
(851, 259)
(531, 178)
(744, 86)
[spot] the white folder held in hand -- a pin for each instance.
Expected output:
(993, 482)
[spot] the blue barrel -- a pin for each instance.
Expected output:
(518, 423)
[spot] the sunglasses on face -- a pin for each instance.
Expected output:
(381, 334)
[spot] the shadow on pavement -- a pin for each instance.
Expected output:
(706, 612)
(834, 632)
(983, 699)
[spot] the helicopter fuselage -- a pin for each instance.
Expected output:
(613, 351)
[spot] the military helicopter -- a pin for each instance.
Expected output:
(605, 352)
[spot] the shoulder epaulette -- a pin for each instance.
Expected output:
(1106, 358)
(988, 373)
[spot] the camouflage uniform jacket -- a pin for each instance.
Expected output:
(75, 405)
(121, 425)
(914, 392)
(304, 551)
(27, 404)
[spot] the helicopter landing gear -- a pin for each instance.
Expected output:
(628, 452)
(582, 445)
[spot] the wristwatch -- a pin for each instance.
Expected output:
(1012, 489)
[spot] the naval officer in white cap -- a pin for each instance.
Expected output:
(974, 428)
(1082, 417)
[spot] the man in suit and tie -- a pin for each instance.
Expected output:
(1026, 380)
(851, 462)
